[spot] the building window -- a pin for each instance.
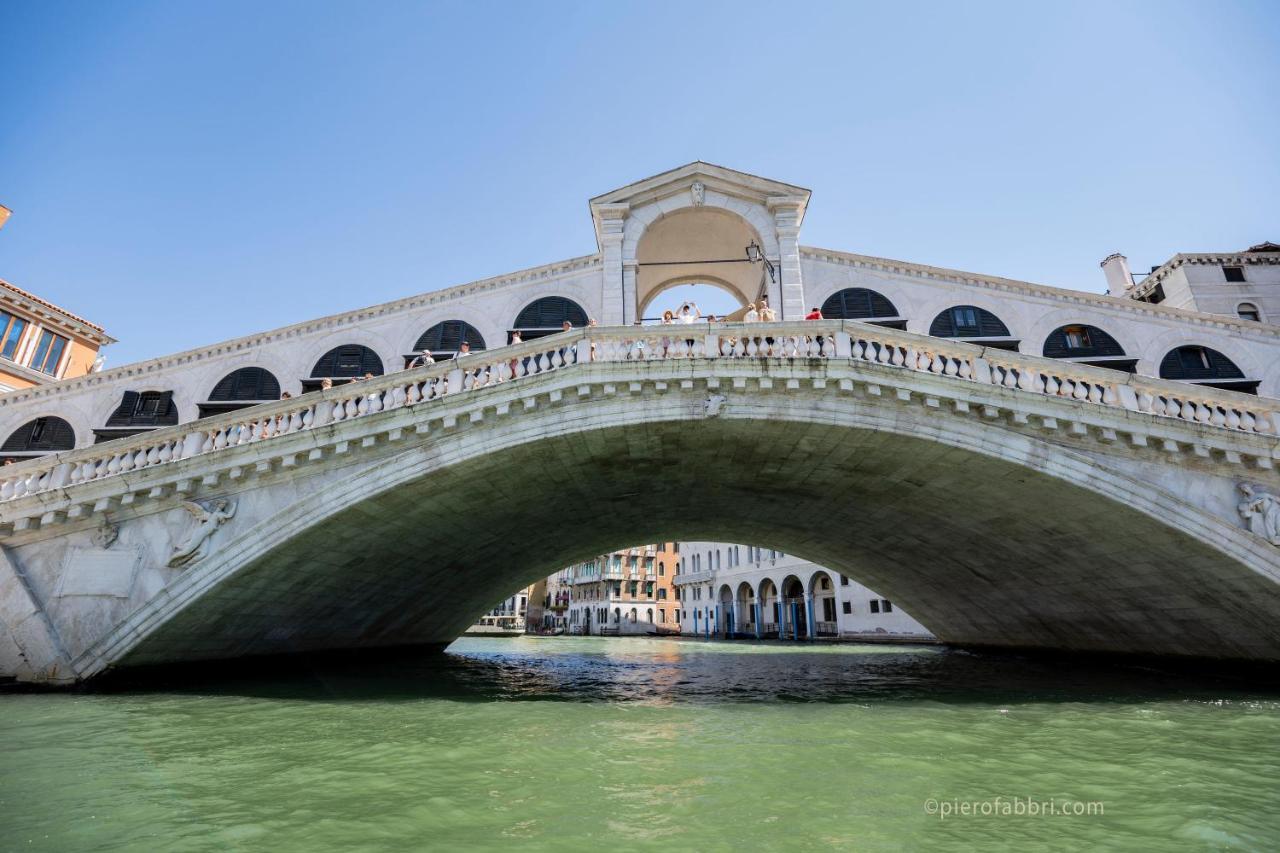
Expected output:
(347, 361)
(42, 434)
(1249, 311)
(247, 383)
(848, 608)
(444, 339)
(1077, 337)
(147, 408)
(857, 303)
(887, 606)
(1233, 273)
(844, 581)
(662, 615)
(1194, 358)
(48, 352)
(662, 595)
(11, 329)
(662, 569)
(968, 321)
(547, 316)
(875, 606)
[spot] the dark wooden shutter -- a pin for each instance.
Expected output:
(48, 433)
(857, 303)
(1100, 343)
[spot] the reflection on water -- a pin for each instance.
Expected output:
(588, 743)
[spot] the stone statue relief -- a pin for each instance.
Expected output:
(699, 193)
(1261, 512)
(105, 535)
(209, 517)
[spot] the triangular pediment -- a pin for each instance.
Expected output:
(728, 181)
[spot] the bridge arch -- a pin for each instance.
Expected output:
(698, 244)
(873, 495)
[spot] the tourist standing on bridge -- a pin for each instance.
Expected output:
(515, 362)
(752, 315)
(814, 314)
(464, 348)
(668, 319)
(689, 313)
(767, 315)
(422, 360)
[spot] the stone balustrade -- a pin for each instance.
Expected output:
(833, 340)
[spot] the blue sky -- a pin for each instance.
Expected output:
(187, 172)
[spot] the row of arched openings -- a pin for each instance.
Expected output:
(1077, 342)
(143, 410)
(139, 411)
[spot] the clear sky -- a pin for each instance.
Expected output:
(184, 172)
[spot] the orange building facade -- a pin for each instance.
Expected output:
(625, 592)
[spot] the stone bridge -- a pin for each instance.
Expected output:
(1003, 499)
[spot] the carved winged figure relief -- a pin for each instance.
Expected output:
(195, 545)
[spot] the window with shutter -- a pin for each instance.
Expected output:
(547, 315)
(968, 321)
(247, 383)
(1082, 343)
(348, 361)
(447, 336)
(42, 434)
(857, 303)
(1206, 366)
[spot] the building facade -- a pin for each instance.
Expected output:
(698, 223)
(624, 592)
(748, 592)
(508, 616)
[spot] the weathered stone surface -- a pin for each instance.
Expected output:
(1000, 531)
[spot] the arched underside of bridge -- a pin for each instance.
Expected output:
(983, 550)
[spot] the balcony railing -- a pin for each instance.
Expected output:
(841, 340)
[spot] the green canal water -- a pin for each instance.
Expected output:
(634, 744)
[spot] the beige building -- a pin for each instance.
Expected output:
(41, 343)
(625, 592)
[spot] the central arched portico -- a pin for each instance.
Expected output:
(694, 224)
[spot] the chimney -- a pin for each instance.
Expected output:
(1116, 269)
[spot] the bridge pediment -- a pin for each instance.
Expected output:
(729, 182)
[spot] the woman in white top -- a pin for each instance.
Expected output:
(668, 319)
(752, 316)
